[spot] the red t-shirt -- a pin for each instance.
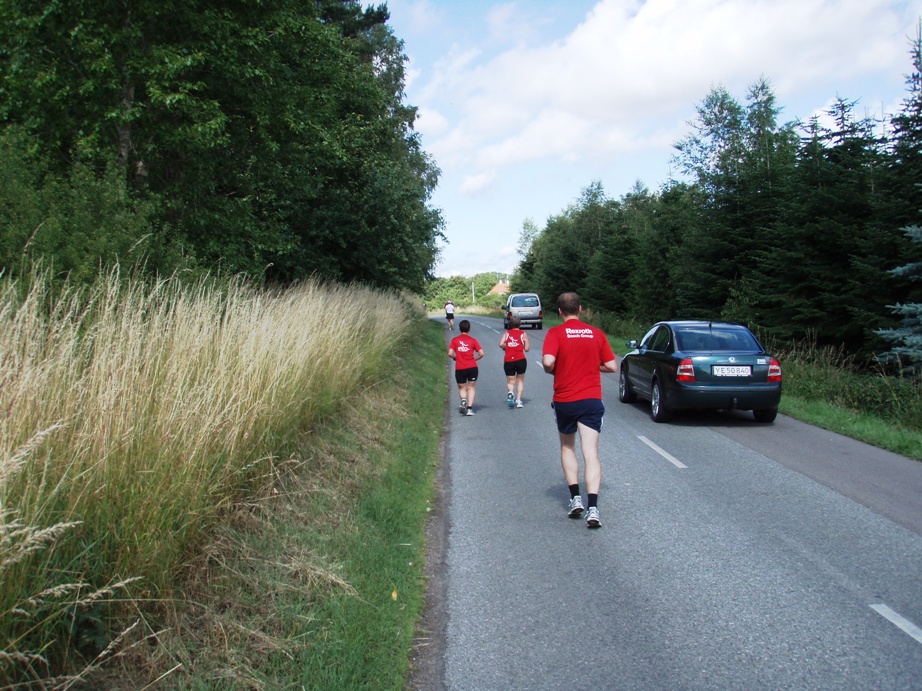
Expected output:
(515, 346)
(579, 349)
(464, 346)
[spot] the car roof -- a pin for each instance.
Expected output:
(700, 322)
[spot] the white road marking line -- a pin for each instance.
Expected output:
(672, 459)
(898, 620)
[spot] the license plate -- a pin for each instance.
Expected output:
(731, 371)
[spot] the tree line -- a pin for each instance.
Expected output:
(804, 230)
(269, 139)
(465, 291)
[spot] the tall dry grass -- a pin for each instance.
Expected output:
(829, 374)
(131, 415)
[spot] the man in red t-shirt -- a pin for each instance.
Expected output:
(576, 354)
(465, 350)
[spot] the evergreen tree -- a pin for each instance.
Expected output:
(611, 268)
(738, 156)
(826, 254)
(906, 150)
(906, 169)
(523, 277)
(907, 337)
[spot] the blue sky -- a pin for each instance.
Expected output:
(523, 104)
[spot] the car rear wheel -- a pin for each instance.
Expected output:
(765, 415)
(625, 392)
(658, 410)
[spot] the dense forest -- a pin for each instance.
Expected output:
(804, 230)
(243, 137)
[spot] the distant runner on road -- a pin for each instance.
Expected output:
(450, 314)
(576, 354)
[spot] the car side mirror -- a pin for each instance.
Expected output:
(631, 344)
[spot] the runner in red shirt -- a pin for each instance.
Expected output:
(576, 354)
(465, 351)
(515, 344)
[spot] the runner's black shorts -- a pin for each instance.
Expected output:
(449, 315)
(588, 411)
(513, 368)
(463, 376)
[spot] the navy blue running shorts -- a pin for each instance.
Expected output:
(463, 376)
(588, 411)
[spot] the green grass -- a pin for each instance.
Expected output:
(867, 428)
(320, 584)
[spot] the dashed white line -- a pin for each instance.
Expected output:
(898, 620)
(669, 457)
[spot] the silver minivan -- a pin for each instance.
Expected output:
(525, 306)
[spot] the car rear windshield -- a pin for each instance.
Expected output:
(525, 301)
(716, 338)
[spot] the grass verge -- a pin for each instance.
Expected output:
(862, 426)
(140, 421)
(320, 584)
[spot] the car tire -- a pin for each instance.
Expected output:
(765, 415)
(658, 410)
(625, 392)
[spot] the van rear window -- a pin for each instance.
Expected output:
(525, 301)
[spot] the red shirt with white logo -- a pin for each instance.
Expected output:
(579, 349)
(515, 345)
(464, 346)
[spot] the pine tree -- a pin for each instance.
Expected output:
(907, 171)
(907, 338)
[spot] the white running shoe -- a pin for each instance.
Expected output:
(575, 509)
(592, 518)
(518, 404)
(470, 413)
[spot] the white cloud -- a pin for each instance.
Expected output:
(523, 103)
(422, 15)
(480, 183)
(431, 122)
(628, 66)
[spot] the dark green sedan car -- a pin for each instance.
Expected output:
(683, 365)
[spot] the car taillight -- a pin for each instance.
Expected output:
(686, 370)
(774, 370)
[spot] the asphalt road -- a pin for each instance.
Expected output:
(732, 554)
